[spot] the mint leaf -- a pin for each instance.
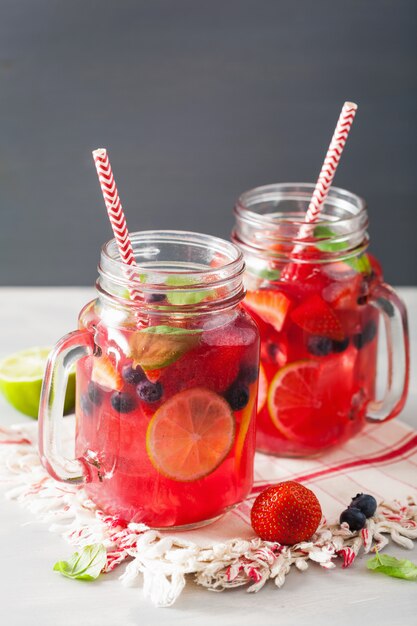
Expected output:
(170, 330)
(360, 264)
(156, 347)
(323, 232)
(84, 565)
(183, 297)
(391, 566)
(268, 274)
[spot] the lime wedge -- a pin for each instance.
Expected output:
(21, 376)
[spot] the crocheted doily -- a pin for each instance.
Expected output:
(165, 559)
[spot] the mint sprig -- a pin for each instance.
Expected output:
(170, 330)
(157, 347)
(390, 566)
(84, 565)
(360, 264)
(181, 298)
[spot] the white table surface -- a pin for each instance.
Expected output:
(31, 593)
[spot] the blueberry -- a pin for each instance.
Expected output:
(340, 346)
(365, 503)
(237, 395)
(386, 306)
(155, 297)
(248, 374)
(133, 375)
(86, 404)
(354, 518)
(149, 392)
(95, 393)
(273, 351)
(366, 336)
(122, 402)
(319, 346)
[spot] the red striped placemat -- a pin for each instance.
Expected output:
(382, 460)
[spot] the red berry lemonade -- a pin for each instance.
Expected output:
(318, 357)
(166, 417)
(318, 298)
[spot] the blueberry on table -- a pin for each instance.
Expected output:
(319, 346)
(237, 396)
(365, 503)
(95, 393)
(354, 518)
(149, 392)
(133, 375)
(123, 402)
(248, 374)
(340, 346)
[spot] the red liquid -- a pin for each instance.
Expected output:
(323, 402)
(126, 481)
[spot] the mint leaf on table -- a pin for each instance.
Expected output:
(84, 565)
(389, 565)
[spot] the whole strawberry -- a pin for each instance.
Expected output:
(287, 513)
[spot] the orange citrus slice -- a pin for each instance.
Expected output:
(262, 388)
(190, 434)
(292, 399)
(247, 414)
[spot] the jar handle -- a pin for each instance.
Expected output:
(393, 312)
(68, 350)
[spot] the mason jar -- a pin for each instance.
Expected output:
(166, 384)
(323, 310)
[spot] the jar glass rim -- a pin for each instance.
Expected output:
(298, 192)
(144, 244)
(189, 270)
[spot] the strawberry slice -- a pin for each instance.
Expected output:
(105, 374)
(343, 294)
(271, 306)
(316, 317)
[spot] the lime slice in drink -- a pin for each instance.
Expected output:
(21, 376)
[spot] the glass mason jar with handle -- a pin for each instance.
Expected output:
(166, 384)
(323, 310)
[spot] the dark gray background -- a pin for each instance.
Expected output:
(196, 102)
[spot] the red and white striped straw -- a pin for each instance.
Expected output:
(116, 216)
(331, 161)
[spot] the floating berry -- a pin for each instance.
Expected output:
(365, 503)
(149, 392)
(316, 317)
(95, 393)
(340, 346)
(366, 336)
(86, 404)
(133, 375)
(287, 513)
(237, 395)
(276, 353)
(319, 346)
(353, 517)
(123, 402)
(155, 297)
(386, 306)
